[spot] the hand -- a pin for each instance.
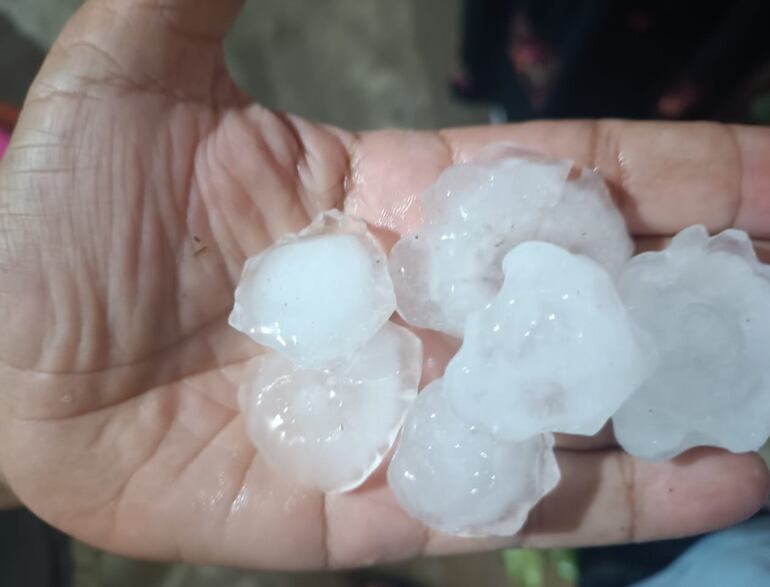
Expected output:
(137, 183)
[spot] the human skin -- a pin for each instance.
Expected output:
(138, 181)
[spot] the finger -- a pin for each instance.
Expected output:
(665, 176)
(609, 497)
(148, 44)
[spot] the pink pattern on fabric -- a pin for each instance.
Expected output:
(536, 64)
(4, 140)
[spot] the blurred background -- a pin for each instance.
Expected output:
(422, 64)
(434, 63)
(357, 64)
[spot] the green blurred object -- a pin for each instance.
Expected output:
(566, 564)
(539, 568)
(760, 109)
(525, 568)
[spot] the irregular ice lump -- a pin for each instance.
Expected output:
(554, 351)
(317, 296)
(475, 213)
(331, 427)
(456, 478)
(705, 302)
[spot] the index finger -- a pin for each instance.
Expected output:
(665, 176)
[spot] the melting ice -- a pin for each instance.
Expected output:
(316, 296)
(331, 427)
(554, 351)
(705, 303)
(457, 478)
(475, 213)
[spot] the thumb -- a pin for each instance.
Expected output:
(172, 46)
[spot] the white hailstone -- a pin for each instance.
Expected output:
(554, 351)
(316, 296)
(475, 213)
(331, 427)
(705, 302)
(458, 479)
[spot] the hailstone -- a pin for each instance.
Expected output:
(705, 302)
(554, 351)
(331, 427)
(316, 296)
(458, 479)
(475, 213)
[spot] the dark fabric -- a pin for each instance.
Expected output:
(613, 566)
(598, 58)
(627, 564)
(20, 59)
(32, 554)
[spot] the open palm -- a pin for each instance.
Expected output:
(139, 180)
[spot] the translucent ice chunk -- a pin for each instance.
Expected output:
(458, 479)
(316, 296)
(706, 304)
(554, 351)
(330, 428)
(475, 213)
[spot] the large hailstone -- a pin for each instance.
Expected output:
(331, 427)
(554, 351)
(316, 296)
(458, 479)
(475, 213)
(705, 302)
